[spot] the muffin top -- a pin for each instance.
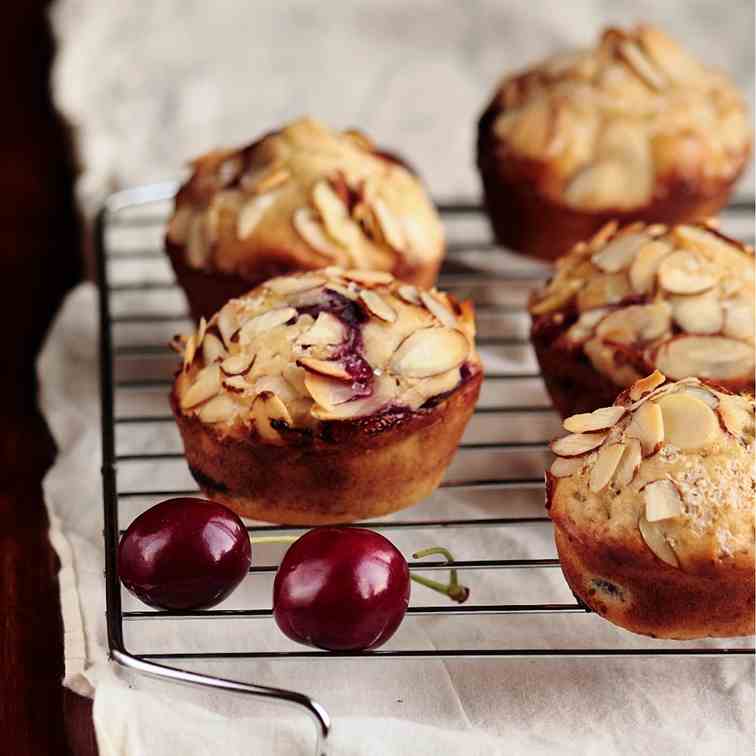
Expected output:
(667, 469)
(614, 126)
(315, 195)
(679, 299)
(329, 345)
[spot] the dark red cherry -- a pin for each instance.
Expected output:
(184, 554)
(342, 589)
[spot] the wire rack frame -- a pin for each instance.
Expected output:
(153, 664)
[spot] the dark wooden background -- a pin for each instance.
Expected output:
(40, 259)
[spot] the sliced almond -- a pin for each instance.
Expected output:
(643, 271)
(197, 245)
(219, 409)
(266, 409)
(563, 467)
(285, 285)
(390, 227)
(737, 416)
(611, 183)
(619, 253)
(647, 426)
(600, 419)
(688, 423)
(229, 169)
(637, 323)
(272, 180)
(707, 397)
(384, 391)
(558, 296)
(628, 464)
(602, 236)
(369, 277)
(429, 351)
(178, 227)
(711, 357)
(190, 350)
(335, 214)
(418, 394)
(438, 310)
(237, 364)
(699, 313)
(212, 349)
(311, 230)
(266, 322)
(646, 385)
(683, 272)
(206, 385)
(238, 384)
(327, 330)
(602, 290)
(584, 326)
(378, 306)
(654, 538)
(577, 443)
(277, 385)
(606, 463)
(642, 66)
(325, 367)
(228, 324)
(328, 392)
(252, 212)
(409, 294)
(662, 500)
(739, 317)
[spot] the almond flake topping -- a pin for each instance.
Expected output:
(311, 230)
(325, 367)
(267, 408)
(228, 324)
(409, 294)
(429, 351)
(285, 285)
(657, 543)
(390, 227)
(237, 363)
(662, 500)
(206, 385)
(219, 409)
(685, 273)
(327, 330)
(368, 277)
(600, 419)
(439, 311)
(629, 463)
(564, 467)
(252, 213)
(212, 349)
(647, 425)
(688, 422)
(646, 385)
(619, 253)
(328, 392)
(378, 306)
(267, 321)
(577, 443)
(608, 459)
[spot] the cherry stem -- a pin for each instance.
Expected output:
(453, 589)
(272, 539)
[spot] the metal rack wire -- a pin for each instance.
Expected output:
(513, 466)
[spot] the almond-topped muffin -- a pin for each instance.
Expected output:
(652, 500)
(631, 300)
(327, 396)
(299, 198)
(633, 129)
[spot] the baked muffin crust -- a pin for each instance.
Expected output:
(653, 505)
(345, 371)
(301, 198)
(610, 123)
(631, 300)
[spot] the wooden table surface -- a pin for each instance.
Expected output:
(40, 259)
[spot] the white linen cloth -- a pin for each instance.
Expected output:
(511, 706)
(149, 85)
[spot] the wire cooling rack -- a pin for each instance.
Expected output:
(493, 492)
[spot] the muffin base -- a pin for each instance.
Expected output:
(663, 602)
(363, 468)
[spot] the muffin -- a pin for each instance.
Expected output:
(327, 396)
(629, 301)
(299, 198)
(634, 129)
(652, 500)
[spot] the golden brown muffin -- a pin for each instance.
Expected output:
(653, 507)
(299, 198)
(633, 129)
(629, 301)
(327, 396)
